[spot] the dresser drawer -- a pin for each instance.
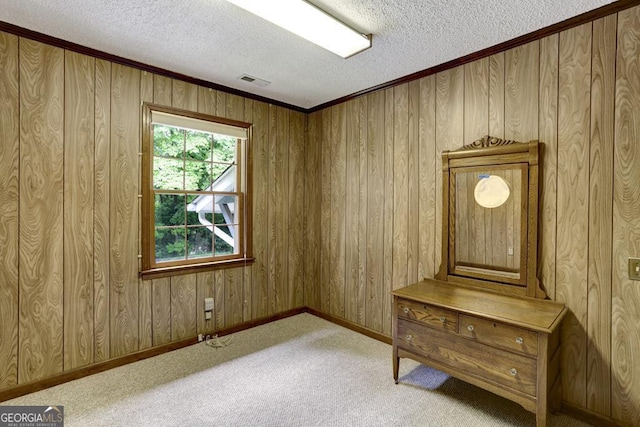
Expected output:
(470, 357)
(500, 335)
(434, 317)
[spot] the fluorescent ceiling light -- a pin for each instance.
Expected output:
(309, 22)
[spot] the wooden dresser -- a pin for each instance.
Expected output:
(504, 344)
(485, 318)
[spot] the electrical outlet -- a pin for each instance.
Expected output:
(634, 268)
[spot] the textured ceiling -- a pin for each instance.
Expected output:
(216, 41)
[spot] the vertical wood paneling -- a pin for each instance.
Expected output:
(521, 92)
(400, 186)
(325, 212)
(352, 208)
(548, 134)
(234, 107)
(78, 209)
(427, 172)
(9, 204)
(145, 314)
(312, 208)
(233, 296)
(281, 214)
(338, 217)
(449, 133)
(375, 207)
(496, 95)
(221, 104)
(476, 99)
(184, 95)
(145, 288)
(295, 275)
(125, 122)
(271, 208)
(625, 357)
(219, 311)
(41, 211)
(183, 306)
(161, 306)
(259, 294)
(162, 90)
(600, 213)
(413, 185)
(206, 100)
(387, 213)
(573, 204)
(361, 294)
(101, 242)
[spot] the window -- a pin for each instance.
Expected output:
(196, 198)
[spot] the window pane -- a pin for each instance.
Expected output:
(225, 209)
(197, 175)
(170, 244)
(199, 209)
(169, 209)
(225, 238)
(168, 174)
(224, 149)
(200, 242)
(168, 141)
(224, 177)
(199, 145)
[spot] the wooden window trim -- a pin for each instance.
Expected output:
(244, 160)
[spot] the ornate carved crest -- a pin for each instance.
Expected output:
(488, 141)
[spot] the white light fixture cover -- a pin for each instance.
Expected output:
(309, 22)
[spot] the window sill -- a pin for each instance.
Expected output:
(158, 273)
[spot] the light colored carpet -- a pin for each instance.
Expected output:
(299, 371)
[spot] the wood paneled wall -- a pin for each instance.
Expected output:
(70, 138)
(375, 218)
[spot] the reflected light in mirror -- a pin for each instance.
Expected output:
(491, 191)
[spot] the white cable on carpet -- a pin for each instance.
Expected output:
(218, 342)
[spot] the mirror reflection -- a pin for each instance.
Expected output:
(488, 221)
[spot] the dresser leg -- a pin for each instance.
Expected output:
(396, 365)
(541, 419)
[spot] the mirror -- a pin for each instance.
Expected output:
(488, 221)
(490, 216)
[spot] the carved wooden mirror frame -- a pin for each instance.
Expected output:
(494, 154)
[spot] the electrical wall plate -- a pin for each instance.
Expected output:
(634, 268)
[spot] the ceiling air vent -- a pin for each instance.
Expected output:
(254, 80)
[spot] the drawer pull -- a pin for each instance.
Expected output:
(409, 337)
(470, 328)
(443, 319)
(520, 340)
(406, 310)
(513, 371)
